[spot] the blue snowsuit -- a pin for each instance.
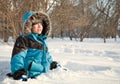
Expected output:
(30, 51)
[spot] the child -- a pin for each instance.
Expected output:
(30, 54)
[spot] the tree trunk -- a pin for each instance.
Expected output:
(5, 36)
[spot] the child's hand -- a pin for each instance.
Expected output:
(53, 65)
(18, 74)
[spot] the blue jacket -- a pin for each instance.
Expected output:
(29, 53)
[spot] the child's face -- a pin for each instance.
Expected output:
(37, 28)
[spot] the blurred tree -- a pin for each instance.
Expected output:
(61, 17)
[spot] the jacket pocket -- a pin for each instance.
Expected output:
(35, 67)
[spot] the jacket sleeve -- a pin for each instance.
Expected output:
(18, 54)
(47, 58)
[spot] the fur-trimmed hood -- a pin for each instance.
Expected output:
(33, 17)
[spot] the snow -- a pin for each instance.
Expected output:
(88, 62)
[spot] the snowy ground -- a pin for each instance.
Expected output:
(88, 62)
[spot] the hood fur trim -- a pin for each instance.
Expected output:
(35, 17)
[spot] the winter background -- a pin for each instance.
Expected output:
(89, 62)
